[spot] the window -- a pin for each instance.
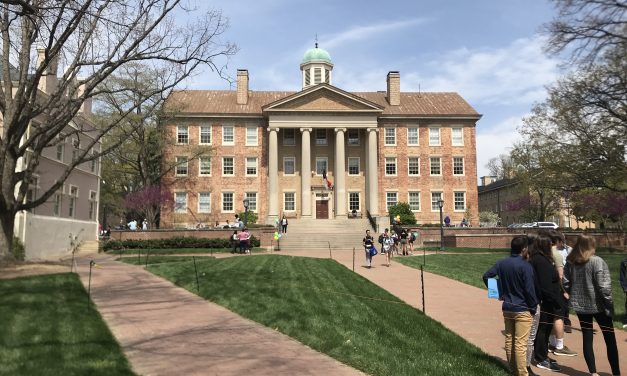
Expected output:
(181, 166)
(92, 164)
(353, 165)
(321, 165)
(289, 201)
(228, 168)
(412, 136)
(227, 201)
(460, 201)
(182, 134)
(251, 166)
(205, 135)
(458, 165)
(434, 166)
(93, 204)
(391, 198)
(414, 201)
(434, 136)
(390, 165)
(73, 197)
(228, 135)
(317, 75)
(205, 166)
(353, 137)
(435, 197)
(252, 201)
(327, 76)
(180, 202)
(457, 136)
(60, 149)
(56, 209)
(251, 136)
(76, 144)
(321, 136)
(413, 166)
(307, 77)
(289, 136)
(204, 202)
(390, 136)
(289, 165)
(353, 201)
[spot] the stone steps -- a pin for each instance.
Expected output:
(88, 247)
(324, 233)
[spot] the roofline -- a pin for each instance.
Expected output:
(444, 116)
(321, 86)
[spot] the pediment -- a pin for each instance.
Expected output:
(322, 98)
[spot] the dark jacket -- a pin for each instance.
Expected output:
(516, 284)
(549, 283)
(623, 275)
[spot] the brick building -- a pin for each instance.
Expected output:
(275, 148)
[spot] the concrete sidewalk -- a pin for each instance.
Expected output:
(166, 330)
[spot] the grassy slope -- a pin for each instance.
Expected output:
(335, 311)
(469, 269)
(47, 330)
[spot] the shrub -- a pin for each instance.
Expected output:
(252, 217)
(18, 249)
(403, 210)
(175, 242)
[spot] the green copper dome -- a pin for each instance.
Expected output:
(316, 54)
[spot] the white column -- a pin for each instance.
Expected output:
(273, 176)
(372, 172)
(340, 174)
(305, 173)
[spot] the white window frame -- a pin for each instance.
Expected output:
(326, 162)
(388, 161)
(463, 167)
(348, 165)
(388, 195)
(252, 136)
(434, 202)
(232, 166)
(409, 200)
(57, 205)
(461, 139)
(358, 208)
(431, 165)
(225, 141)
(439, 134)
(179, 164)
(207, 195)
(391, 137)
(285, 194)
(73, 194)
(322, 141)
(201, 133)
(200, 165)
(455, 194)
(289, 141)
(182, 134)
(93, 204)
(249, 164)
(352, 141)
(409, 164)
(291, 159)
(252, 201)
(417, 143)
(224, 195)
(60, 149)
(177, 207)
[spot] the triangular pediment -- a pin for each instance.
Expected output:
(322, 98)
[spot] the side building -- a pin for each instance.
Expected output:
(319, 153)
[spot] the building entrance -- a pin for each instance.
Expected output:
(322, 209)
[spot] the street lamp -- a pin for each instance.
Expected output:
(440, 205)
(246, 203)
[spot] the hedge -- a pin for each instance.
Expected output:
(176, 242)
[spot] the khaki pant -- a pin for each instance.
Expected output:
(517, 328)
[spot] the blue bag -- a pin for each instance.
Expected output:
(493, 288)
(373, 251)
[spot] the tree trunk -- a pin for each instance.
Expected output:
(7, 222)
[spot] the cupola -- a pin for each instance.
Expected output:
(316, 67)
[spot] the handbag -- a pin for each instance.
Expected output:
(373, 251)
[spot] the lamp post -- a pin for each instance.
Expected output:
(440, 205)
(246, 203)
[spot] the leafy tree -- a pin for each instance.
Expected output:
(488, 218)
(403, 210)
(92, 40)
(148, 201)
(600, 205)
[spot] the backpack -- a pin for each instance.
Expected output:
(381, 239)
(413, 236)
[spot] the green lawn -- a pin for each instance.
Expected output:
(335, 311)
(47, 330)
(469, 269)
(173, 251)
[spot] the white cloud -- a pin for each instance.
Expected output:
(495, 140)
(363, 32)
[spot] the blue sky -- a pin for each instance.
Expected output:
(490, 52)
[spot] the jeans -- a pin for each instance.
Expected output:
(607, 328)
(532, 335)
(541, 344)
(517, 328)
(368, 258)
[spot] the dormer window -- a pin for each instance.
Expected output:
(307, 77)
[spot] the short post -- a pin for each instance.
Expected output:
(139, 256)
(353, 258)
(441, 205)
(424, 256)
(120, 253)
(91, 265)
(330, 255)
(196, 271)
(72, 264)
(147, 258)
(422, 282)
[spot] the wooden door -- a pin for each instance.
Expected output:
(322, 209)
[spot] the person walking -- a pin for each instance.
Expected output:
(284, 224)
(404, 242)
(368, 243)
(623, 284)
(587, 281)
(518, 293)
(387, 247)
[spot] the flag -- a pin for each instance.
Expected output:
(327, 182)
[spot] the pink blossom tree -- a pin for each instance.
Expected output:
(148, 202)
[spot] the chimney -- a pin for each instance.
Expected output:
(394, 88)
(487, 180)
(86, 106)
(48, 80)
(242, 86)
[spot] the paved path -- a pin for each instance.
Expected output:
(467, 311)
(166, 330)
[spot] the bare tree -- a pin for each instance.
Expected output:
(90, 40)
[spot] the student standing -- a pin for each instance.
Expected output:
(587, 280)
(284, 224)
(518, 293)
